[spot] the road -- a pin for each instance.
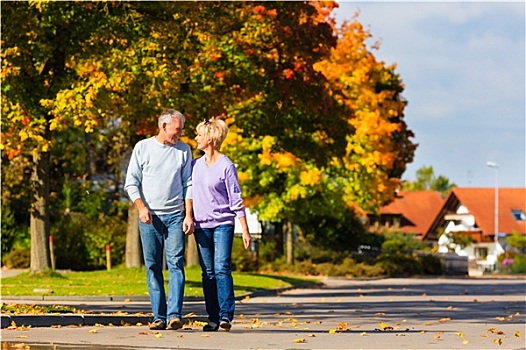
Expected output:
(402, 313)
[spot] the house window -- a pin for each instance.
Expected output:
(481, 253)
(518, 214)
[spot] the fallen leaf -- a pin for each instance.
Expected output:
(500, 318)
(311, 335)
(465, 341)
(497, 341)
(158, 335)
(363, 334)
(342, 326)
(204, 335)
(93, 331)
(299, 340)
(444, 319)
(517, 334)
(385, 327)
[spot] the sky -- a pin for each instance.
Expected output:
(463, 67)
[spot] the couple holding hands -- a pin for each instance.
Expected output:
(177, 196)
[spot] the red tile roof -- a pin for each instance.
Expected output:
(480, 202)
(418, 207)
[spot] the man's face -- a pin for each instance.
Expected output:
(173, 131)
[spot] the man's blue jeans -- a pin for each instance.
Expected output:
(215, 256)
(165, 231)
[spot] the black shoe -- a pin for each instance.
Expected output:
(175, 324)
(210, 327)
(225, 324)
(157, 325)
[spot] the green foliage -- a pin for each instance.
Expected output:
(338, 231)
(243, 260)
(80, 241)
(426, 180)
(9, 231)
(431, 264)
(519, 264)
(399, 264)
(404, 255)
(397, 242)
(16, 259)
(517, 240)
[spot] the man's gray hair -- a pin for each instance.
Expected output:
(168, 115)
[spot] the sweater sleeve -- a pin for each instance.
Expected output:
(187, 175)
(234, 191)
(134, 176)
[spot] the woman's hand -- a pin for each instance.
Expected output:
(246, 239)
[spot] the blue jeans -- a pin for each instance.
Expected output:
(165, 231)
(214, 246)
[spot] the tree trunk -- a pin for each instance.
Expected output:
(39, 213)
(133, 240)
(278, 238)
(192, 257)
(290, 243)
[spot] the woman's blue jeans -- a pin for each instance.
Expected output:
(165, 231)
(215, 256)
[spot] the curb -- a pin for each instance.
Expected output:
(79, 320)
(69, 320)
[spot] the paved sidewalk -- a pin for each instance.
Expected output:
(407, 313)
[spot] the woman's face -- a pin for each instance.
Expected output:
(202, 141)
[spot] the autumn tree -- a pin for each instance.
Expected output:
(378, 149)
(258, 67)
(101, 69)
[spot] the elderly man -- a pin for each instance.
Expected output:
(159, 183)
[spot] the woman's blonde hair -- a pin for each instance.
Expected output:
(215, 128)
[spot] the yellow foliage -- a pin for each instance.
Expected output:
(284, 160)
(310, 177)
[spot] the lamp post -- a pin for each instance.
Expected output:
(496, 221)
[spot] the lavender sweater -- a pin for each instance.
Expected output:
(216, 193)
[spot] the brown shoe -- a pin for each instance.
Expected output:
(175, 323)
(157, 325)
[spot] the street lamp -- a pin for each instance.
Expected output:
(496, 221)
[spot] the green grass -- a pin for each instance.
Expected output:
(128, 282)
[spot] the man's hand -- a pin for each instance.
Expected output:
(145, 216)
(188, 225)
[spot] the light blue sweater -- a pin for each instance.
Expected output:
(161, 175)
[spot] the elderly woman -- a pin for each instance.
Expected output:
(217, 202)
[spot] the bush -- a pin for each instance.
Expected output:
(398, 264)
(17, 259)
(243, 259)
(519, 264)
(80, 241)
(431, 264)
